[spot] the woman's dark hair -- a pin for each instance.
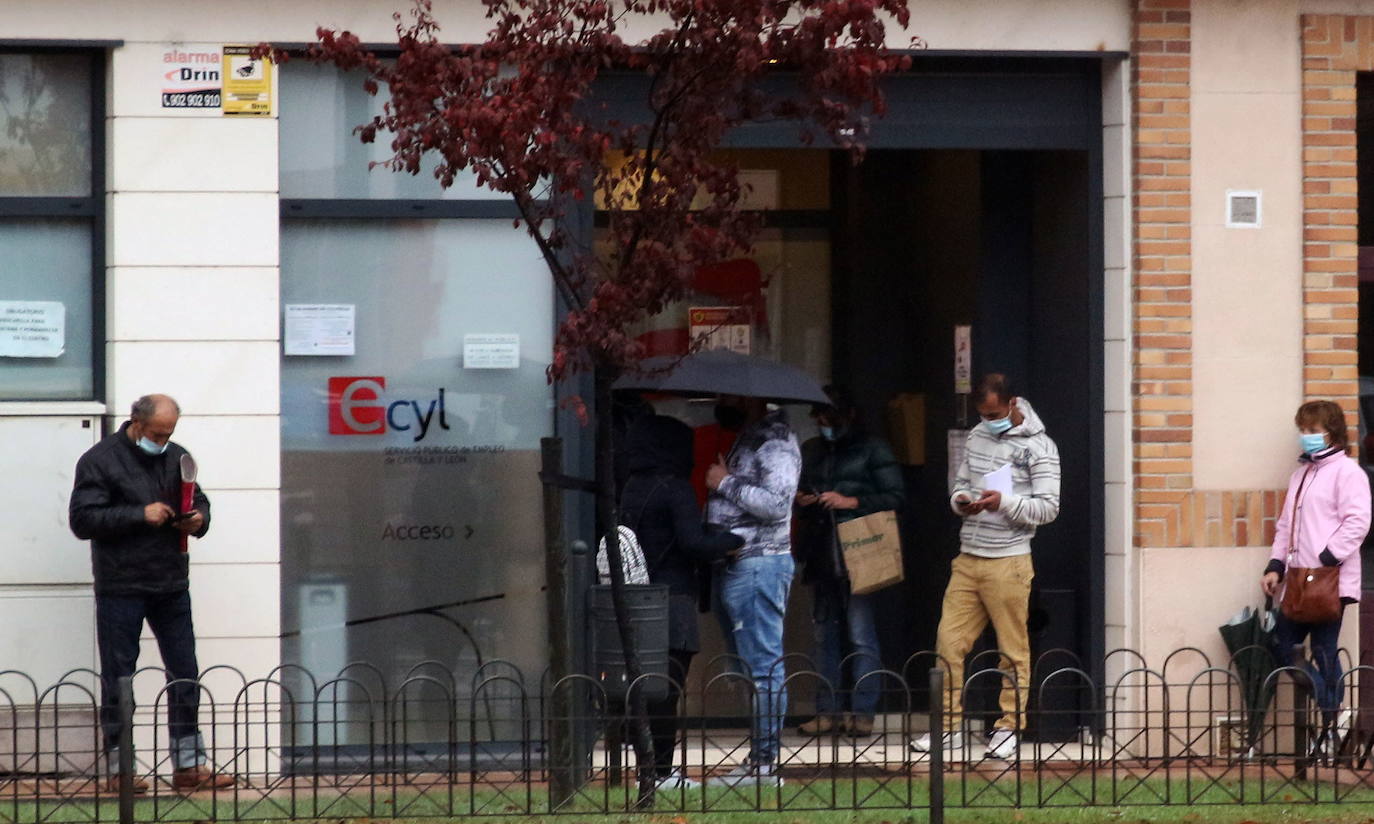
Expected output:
(1326, 415)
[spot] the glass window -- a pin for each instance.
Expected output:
(49, 260)
(407, 479)
(45, 125)
(48, 222)
(321, 157)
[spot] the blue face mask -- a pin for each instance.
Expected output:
(827, 432)
(998, 426)
(1312, 442)
(150, 447)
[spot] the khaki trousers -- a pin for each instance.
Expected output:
(982, 590)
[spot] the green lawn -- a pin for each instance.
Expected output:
(1048, 801)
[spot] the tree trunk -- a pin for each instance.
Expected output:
(565, 773)
(608, 520)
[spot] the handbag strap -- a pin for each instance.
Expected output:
(1293, 522)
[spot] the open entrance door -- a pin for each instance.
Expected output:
(925, 241)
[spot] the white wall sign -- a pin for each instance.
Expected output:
(319, 329)
(191, 77)
(491, 351)
(32, 329)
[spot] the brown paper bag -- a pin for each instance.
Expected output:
(872, 552)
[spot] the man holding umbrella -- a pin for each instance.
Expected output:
(751, 495)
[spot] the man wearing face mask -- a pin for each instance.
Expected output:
(125, 501)
(751, 495)
(990, 579)
(847, 473)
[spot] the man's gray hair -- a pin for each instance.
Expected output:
(146, 407)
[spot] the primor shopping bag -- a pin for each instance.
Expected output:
(872, 552)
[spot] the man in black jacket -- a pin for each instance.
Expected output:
(126, 500)
(847, 473)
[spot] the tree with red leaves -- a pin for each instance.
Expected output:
(518, 111)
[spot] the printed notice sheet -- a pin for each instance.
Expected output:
(319, 329)
(32, 328)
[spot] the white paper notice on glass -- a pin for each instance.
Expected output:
(491, 351)
(319, 329)
(32, 328)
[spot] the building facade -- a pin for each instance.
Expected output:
(1153, 205)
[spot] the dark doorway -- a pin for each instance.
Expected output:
(926, 240)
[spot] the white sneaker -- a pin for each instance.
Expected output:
(1003, 745)
(677, 780)
(952, 741)
(747, 775)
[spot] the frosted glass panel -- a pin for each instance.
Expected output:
(408, 481)
(45, 125)
(321, 157)
(47, 259)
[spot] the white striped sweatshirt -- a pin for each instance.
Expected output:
(1034, 461)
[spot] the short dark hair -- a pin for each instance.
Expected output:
(995, 383)
(1327, 415)
(841, 401)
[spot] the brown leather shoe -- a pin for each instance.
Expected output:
(200, 778)
(820, 725)
(858, 726)
(112, 785)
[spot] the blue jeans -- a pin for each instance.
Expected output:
(751, 600)
(1324, 669)
(118, 623)
(845, 629)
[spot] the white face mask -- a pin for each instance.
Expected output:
(1000, 425)
(150, 447)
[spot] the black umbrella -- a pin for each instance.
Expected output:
(722, 372)
(1249, 637)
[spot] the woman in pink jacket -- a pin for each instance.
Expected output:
(1324, 520)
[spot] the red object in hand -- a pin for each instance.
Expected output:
(188, 491)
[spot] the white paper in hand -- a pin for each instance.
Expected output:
(999, 480)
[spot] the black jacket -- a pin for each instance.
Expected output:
(660, 505)
(858, 465)
(115, 480)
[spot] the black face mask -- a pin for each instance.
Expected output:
(730, 417)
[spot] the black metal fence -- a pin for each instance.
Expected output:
(357, 744)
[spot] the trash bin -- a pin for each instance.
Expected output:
(647, 605)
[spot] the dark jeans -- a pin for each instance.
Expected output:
(845, 634)
(118, 624)
(664, 719)
(1324, 669)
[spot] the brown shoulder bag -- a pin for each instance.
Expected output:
(1311, 595)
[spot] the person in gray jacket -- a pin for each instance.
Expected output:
(751, 495)
(1007, 484)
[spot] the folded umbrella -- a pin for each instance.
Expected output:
(722, 372)
(1249, 637)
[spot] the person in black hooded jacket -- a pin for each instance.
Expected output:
(660, 505)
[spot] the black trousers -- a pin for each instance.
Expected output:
(664, 718)
(118, 624)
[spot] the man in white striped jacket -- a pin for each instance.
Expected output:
(990, 580)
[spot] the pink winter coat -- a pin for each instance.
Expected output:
(1333, 517)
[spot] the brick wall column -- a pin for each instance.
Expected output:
(1162, 217)
(1334, 48)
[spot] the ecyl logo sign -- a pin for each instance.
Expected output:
(359, 406)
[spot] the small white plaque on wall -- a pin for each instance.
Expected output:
(1244, 209)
